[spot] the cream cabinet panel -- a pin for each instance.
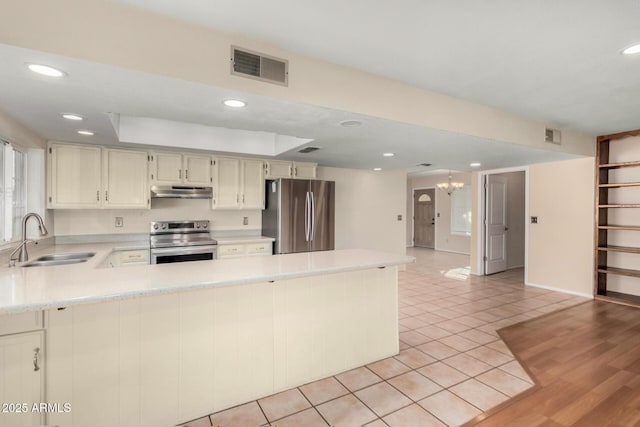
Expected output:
(166, 168)
(124, 179)
(277, 169)
(226, 186)
(74, 177)
(22, 378)
(304, 170)
(197, 170)
(252, 184)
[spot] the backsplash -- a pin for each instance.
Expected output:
(102, 221)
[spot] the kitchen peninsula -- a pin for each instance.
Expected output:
(161, 344)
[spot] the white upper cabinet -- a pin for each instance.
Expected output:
(74, 177)
(124, 179)
(166, 168)
(275, 169)
(197, 170)
(238, 184)
(89, 177)
(226, 188)
(252, 184)
(304, 170)
(178, 169)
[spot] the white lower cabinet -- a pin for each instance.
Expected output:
(22, 379)
(239, 250)
(167, 359)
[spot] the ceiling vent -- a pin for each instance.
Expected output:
(424, 164)
(259, 66)
(307, 150)
(552, 136)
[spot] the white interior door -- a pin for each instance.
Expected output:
(496, 225)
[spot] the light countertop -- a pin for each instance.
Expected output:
(38, 288)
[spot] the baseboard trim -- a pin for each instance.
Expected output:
(450, 251)
(515, 266)
(564, 291)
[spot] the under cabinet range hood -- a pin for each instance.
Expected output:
(180, 192)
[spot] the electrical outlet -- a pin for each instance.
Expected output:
(119, 221)
(399, 217)
(534, 220)
(245, 220)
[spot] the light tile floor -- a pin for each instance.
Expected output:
(452, 364)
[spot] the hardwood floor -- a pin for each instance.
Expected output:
(586, 363)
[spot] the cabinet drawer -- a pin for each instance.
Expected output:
(128, 257)
(259, 248)
(21, 322)
(230, 250)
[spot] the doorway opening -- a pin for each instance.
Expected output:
(503, 226)
(424, 218)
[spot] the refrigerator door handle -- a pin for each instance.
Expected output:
(306, 217)
(313, 216)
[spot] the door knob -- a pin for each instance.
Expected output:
(506, 229)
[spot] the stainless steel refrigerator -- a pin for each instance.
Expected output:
(299, 214)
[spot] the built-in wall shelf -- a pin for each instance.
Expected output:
(602, 248)
(625, 249)
(620, 227)
(619, 271)
(620, 184)
(619, 165)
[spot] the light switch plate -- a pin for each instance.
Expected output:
(245, 220)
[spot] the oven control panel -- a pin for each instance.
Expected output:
(179, 226)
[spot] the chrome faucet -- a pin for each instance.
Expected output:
(23, 256)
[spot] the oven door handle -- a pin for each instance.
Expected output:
(183, 250)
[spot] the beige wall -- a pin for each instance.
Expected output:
(111, 33)
(445, 241)
(69, 222)
(560, 252)
(16, 133)
(367, 206)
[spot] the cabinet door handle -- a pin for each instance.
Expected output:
(106, 196)
(36, 354)
(237, 198)
(98, 195)
(180, 173)
(243, 198)
(186, 174)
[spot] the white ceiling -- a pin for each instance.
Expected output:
(556, 61)
(93, 90)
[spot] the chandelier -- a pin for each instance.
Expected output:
(449, 186)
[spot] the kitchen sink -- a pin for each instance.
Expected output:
(60, 259)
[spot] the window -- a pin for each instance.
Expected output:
(461, 211)
(13, 205)
(424, 198)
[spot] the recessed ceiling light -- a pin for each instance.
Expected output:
(45, 70)
(388, 154)
(474, 165)
(632, 49)
(71, 116)
(377, 169)
(350, 123)
(234, 103)
(86, 132)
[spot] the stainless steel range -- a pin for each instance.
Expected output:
(179, 241)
